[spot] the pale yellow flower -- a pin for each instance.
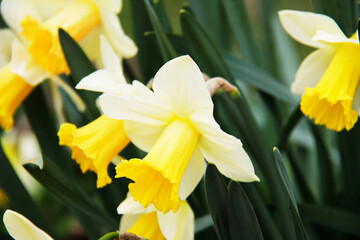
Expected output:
(175, 124)
(328, 79)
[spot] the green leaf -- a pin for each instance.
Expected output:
(80, 66)
(110, 236)
(202, 223)
(258, 78)
(299, 231)
(216, 192)
(19, 198)
(202, 48)
(57, 182)
(238, 17)
(326, 174)
(289, 126)
(243, 223)
(345, 221)
(167, 50)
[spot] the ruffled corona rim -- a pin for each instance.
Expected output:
(94, 145)
(330, 102)
(78, 19)
(157, 177)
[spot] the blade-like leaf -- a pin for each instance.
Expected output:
(167, 50)
(243, 223)
(216, 192)
(328, 217)
(80, 67)
(57, 182)
(299, 231)
(258, 78)
(203, 222)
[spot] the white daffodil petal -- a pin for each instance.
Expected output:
(181, 82)
(6, 36)
(23, 65)
(145, 108)
(130, 206)
(111, 61)
(127, 221)
(146, 138)
(47, 8)
(179, 225)
(224, 150)
(19, 227)
(303, 26)
(103, 81)
(192, 175)
(91, 46)
(13, 14)
(116, 36)
(112, 6)
(312, 69)
(325, 37)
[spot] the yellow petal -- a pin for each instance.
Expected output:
(330, 102)
(13, 90)
(94, 145)
(147, 226)
(157, 177)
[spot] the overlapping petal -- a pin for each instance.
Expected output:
(303, 26)
(312, 69)
(181, 83)
(179, 225)
(19, 227)
(6, 36)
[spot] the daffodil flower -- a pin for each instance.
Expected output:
(152, 224)
(328, 79)
(19, 227)
(96, 144)
(80, 18)
(175, 125)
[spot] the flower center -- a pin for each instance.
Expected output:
(157, 177)
(78, 19)
(13, 91)
(94, 145)
(147, 226)
(330, 102)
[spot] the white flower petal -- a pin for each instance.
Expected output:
(116, 36)
(14, 11)
(111, 61)
(103, 81)
(47, 8)
(130, 206)
(312, 69)
(19, 227)
(333, 38)
(6, 36)
(179, 225)
(127, 221)
(192, 175)
(23, 65)
(303, 26)
(224, 150)
(91, 46)
(147, 137)
(181, 82)
(112, 6)
(145, 108)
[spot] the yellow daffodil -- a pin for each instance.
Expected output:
(328, 79)
(19, 227)
(80, 18)
(175, 125)
(94, 145)
(152, 224)
(36, 55)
